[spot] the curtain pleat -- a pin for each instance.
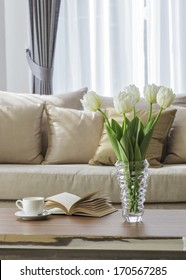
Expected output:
(43, 29)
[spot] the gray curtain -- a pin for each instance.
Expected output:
(43, 28)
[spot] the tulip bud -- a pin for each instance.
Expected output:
(150, 93)
(91, 101)
(165, 97)
(125, 101)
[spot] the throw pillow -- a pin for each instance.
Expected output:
(65, 100)
(73, 135)
(180, 100)
(20, 133)
(105, 155)
(176, 152)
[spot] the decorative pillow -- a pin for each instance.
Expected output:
(105, 155)
(73, 135)
(180, 100)
(20, 133)
(65, 100)
(176, 152)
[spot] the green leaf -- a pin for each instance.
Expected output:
(123, 155)
(148, 126)
(145, 143)
(141, 134)
(127, 124)
(117, 129)
(137, 149)
(127, 147)
(120, 154)
(137, 153)
(131, 129)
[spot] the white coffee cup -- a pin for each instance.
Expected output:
(31, 206)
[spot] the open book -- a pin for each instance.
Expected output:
(91, 204)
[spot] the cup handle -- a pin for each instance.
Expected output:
(19, 204)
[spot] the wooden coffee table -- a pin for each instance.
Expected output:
(161, 235)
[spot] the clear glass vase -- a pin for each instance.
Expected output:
(132, 179)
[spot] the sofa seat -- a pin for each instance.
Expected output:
(166, 184)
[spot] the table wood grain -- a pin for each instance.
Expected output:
(156, 224)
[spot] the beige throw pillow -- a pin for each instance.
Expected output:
(105, 155)
(180, 100)
(65, 100)
(20, 133)
(176, 152)
(73, 135)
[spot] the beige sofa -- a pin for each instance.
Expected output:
(48, 145)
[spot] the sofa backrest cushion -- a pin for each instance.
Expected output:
(73, 135)
(105, 155)
(176, 152)
(65, 100)
(20, 133)
(180, 100)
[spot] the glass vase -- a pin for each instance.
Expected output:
(132, 179)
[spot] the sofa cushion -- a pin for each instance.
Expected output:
(105, 154)
(176, 152)
(73, 135)
(180, 100)
(20, 133)
(166, 184)
(65, 100)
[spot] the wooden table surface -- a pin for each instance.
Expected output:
(161, 230)
(156, 223)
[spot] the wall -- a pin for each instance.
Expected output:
(14, 27)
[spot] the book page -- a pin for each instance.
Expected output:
(89, 205)
(64, 199)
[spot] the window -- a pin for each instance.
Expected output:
(109, 44)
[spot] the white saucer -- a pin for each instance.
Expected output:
(42, 216)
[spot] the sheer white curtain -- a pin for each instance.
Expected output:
(166, 43)
(96, 46)
(109, 44)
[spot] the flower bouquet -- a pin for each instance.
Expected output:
(130, 141)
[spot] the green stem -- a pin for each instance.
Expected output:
(134, 110)
(105, 117)
(157, 117)
(150, 114)
(124, 123)
(133, 174)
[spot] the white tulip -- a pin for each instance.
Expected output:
(165, 97)
(150, 93)
(125, 101)
(134, 93)
(91, 101)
